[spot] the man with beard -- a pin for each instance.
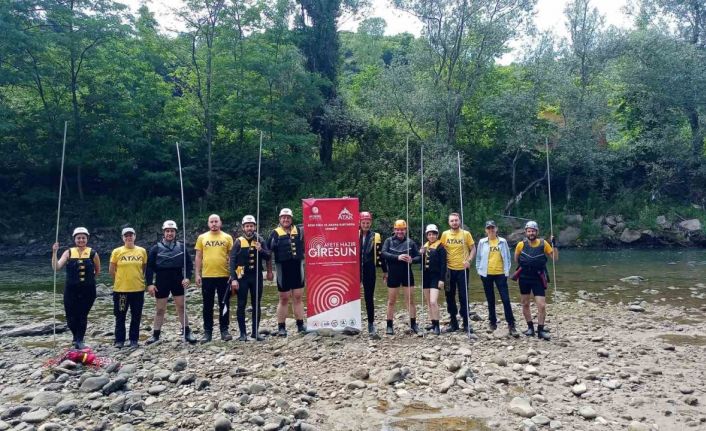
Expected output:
(246, 259)
(460, 251)
(212, 252)
(166, 260)
(531, 255)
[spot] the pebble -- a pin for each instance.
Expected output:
(180, 365)
(686, 390)
(579, 389)
(555, 425)
(222, 423)
(394, 376)
(356, 384)
(66, 406)
(50, 426)
(39, 415)
(603, 353)
(587, 412)
(691, 401)
(46, 399)
(93, 384)
(531, 369)
(115, 385)
(452, 365)
(447, 384)
(256, 388)
(360, 374)
(636, 308)
(528, 425)
(541, 420)
(637, 426)
(301, 413)
(522, 407)
(156, 389)
(258, 403)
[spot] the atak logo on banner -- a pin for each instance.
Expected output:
(332, 263)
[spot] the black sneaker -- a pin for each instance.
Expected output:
(207, 337)
(281, 332)
(529, 332)
(225, 335)
(512, 331)
(79, 345)
(151, 340)
(371, 328)
(301, 329)
(119, 344)
(414, 327)
(189, 337)
(543, 335)
(257, 337)
(468, 329)
(389, 331)
(492, 327)
(429, 327)
(134, 344)
(436, 330)
(453, 327)
(243, 337)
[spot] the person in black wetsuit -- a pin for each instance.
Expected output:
(82, 267)
(400, 252)
(246, 264)
(169, 260)
(370, 259)
(434, 267)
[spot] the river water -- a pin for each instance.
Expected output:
(672, 276)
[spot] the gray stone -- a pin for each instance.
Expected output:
(50, 426)
(579, 389)
(256, 388)
(35, 329)
(541, 420)
(307, 427)
(637, 426)
(555, 425)
(686, 390)
(452, 365)
(124, 427)
(37, 416)
(662, 222)
(128, 369)
(692, 225)
(633, 279)
(93, 384)
(522, 407)
(222, 423)
(66, 406)
(202, 384)
(115, 385)
(103, 291)
(360, 374)
(180, 364)
(301, 413)
(587, 412)
(636, 308)
(187, 379)
(569, 235)
(156, 389)
(257, 420)
(117, 405)
(230, 408)
(447, 384)
(629, 236)
(259, 403)
(528, 425)
(464, 373)
(356, 384)
(573, 219)
(46, 399)
(603, 353)
(394, 376)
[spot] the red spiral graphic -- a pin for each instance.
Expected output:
(329, 291)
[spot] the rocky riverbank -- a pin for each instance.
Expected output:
(635, 366)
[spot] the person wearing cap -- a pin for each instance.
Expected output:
(246, 259)
(127, 267)
(287, 245)
(460, 252)
(370, 259)
(434, 267)
(82, 267)
(170, 263)
(493, 263)
(212, 274)
(400, 252)
(531, 255)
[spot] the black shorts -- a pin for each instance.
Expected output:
(290, 275)
(528, 286)
(431, 281)
(169, 282)
(399, 275)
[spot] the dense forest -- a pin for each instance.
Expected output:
(623, 111)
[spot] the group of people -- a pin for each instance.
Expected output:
(224, 267)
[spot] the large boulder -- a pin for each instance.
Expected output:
(629, 236)
(568, 236)
(35, 329)
(573, 219)
(692, 225)
(516, 236)
(611, 221)
(607, 232)
(663, 223)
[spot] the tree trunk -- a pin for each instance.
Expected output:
(697, 138)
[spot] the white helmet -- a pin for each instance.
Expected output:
(79, 230)
(248, 219)
(431, 228)
(286, 212)
(169, 224)
(532, 225)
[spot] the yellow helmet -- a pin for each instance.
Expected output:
(400, 224)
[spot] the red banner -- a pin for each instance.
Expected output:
(332, 263)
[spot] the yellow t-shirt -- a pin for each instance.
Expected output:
(216, 249)
(521, 245)
(454, 244)
(495, 258)
(129, 269)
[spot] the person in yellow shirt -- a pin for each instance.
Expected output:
(127, 267)
(493, 263)
(460, 251)
(212, 274)
(531, 255)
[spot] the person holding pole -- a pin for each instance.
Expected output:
(211, 269)
(287, 245)
(82, 267)
(166, 261)
(531, 256)
(493, 262)
(127, 267)
(460, 252)
(246, 257)
(400, 252)
(370, 259)
(434, 270)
